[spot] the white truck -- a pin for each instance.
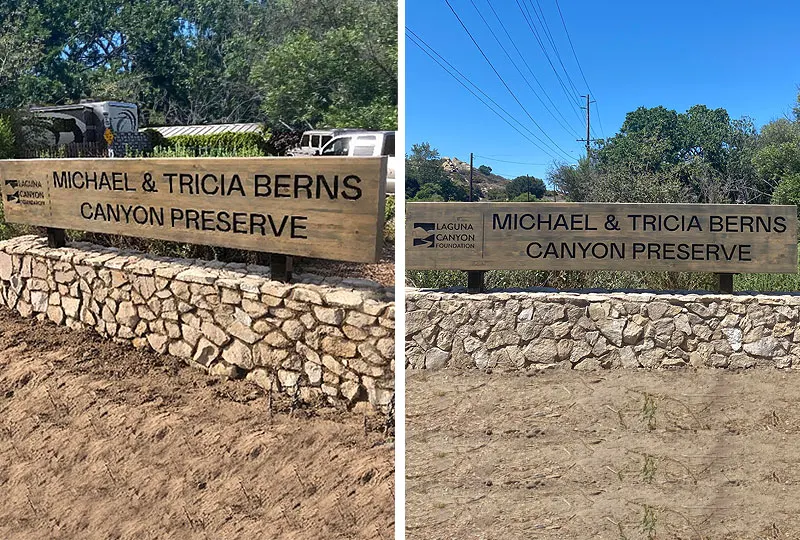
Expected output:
(312, 142)
(366, 144)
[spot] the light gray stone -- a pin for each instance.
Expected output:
(158, 342)
(214, 334)
(127, 314)
(6, 268)
(228, 371)
(180, 348)
(764, 347)
(543, 351)
(55, 314)
(314, 372)
(612, 329)
(436, 358)
(350, 390)
(288, 379)
(239, 354)
(344, 298)
(632, 333)
(39, 301)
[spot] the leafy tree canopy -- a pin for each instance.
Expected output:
(528, 186)
(426, 179)
(204, 61)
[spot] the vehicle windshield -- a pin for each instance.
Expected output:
(338, 147)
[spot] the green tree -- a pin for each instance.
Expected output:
(778, 157)
(788, 191)
(702, 149)
(20, 52)
(203, 61)
(574, 181)
(485, 169)
(6, 139)
(496, 194)
(531, 187)
(649, 139)
(426, 179)
(339, 76)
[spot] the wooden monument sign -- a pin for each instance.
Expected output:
(599, 236)
(317, 207)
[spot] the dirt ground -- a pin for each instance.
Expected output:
(99, 440)
(613, 454)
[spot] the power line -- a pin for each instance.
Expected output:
(507, 161)
(580, 68)
(546, 27)
(510, 39)
(414, 38)
(529, 20)
(597, 114)
(559, 149)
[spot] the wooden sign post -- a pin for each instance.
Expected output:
(724, 239)
(329, 208)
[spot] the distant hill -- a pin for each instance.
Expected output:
(459, 172)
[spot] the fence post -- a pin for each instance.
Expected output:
(56, 238)
(475, 282)
(280, 267)
(725, 283)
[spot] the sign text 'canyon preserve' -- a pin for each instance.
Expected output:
(317, 207)
(600, 236)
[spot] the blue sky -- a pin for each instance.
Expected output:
(743, 56)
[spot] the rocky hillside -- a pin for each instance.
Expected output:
(459, 172)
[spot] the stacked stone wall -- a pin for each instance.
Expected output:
(530, 330)
(316, 339)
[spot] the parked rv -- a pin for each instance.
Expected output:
(86, 122)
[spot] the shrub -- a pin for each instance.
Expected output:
(788, 191)
(251, 144)
(7, 138)
(156, 138)
(388, 220)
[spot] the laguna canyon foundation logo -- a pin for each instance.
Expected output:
(424, 235)
(454, 235)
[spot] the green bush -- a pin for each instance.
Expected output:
(7, 138)
(179, 150)
(566, 279)
(388, 220)
(249, 144)
(788, 191)
(156, 138)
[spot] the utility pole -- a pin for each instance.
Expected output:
(588, 140)
(475, 281)
(528, 183)
(470, 177)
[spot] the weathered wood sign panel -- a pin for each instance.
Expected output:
(595, 236)
(317, 207)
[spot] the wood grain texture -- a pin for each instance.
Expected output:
(335, 204)
(575, 236)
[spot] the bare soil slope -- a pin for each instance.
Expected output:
(98, 440)
(615, 455)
